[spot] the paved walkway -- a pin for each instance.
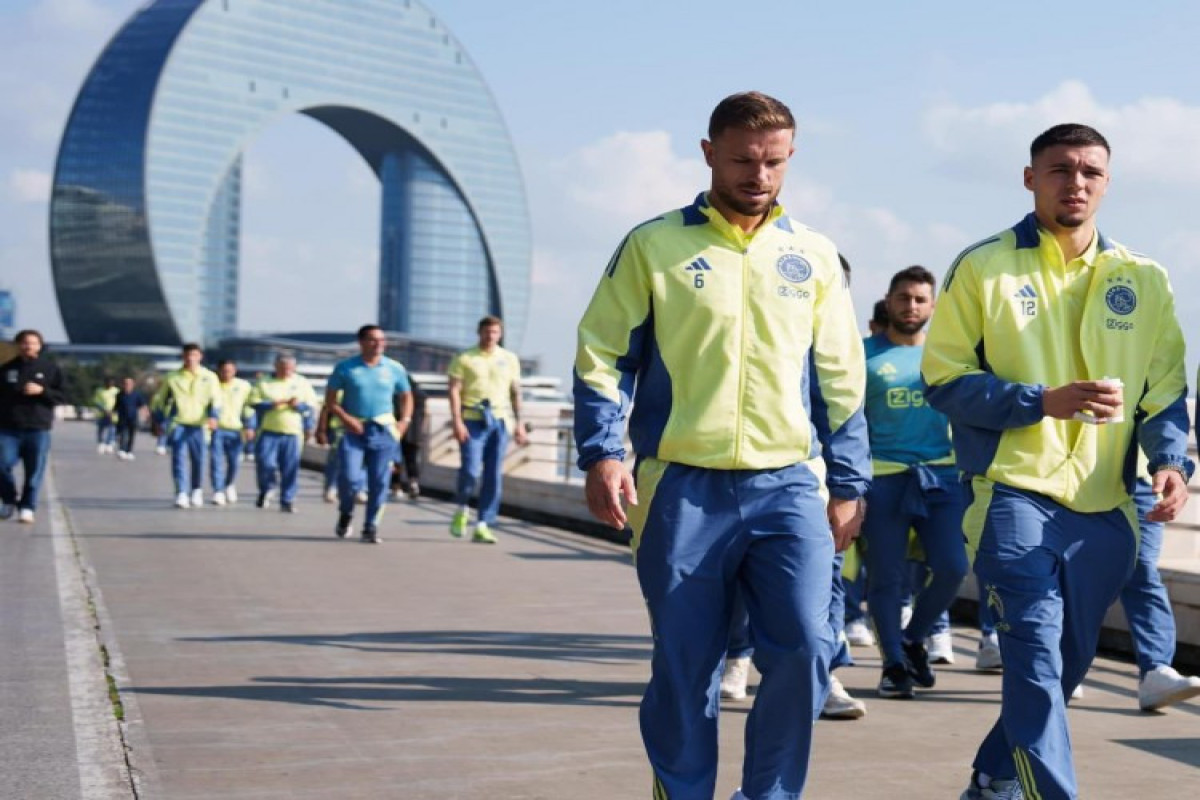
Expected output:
(259, 657)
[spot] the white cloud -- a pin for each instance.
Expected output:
(1153, 138)
(29, 185)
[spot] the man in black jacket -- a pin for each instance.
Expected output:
(30, 388)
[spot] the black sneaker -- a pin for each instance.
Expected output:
(286, 508)
(343, 525)
(896, 682)
(264, 500)
(916, 658)
(370, 535)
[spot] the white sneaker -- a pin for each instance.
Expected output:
(1163, 686)
(859, 634)
(996, 790)
(231, 494)
(940, 647)
(25, 515)
(197, 497)
(182, 501)
(331, 495)
(101, 449)
(127, 456)
(1077, 692)
(988, 655)
(840, 705)
(360, 498)
(733, 682)
(160, 450)
(218, 498)
(7, 510)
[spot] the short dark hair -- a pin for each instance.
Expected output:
(752, 111)
(879, 314)
(914, 274)
(225, 361)
(365, 329)
(1068, 133)
(190, 346)
(489, 321)
(28, 332)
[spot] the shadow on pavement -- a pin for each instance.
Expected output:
(1185, 751)
(355, 693)
(574, 647)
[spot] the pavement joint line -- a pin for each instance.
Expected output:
(101, 751)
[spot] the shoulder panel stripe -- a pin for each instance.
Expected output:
(961, 256)
(611, 269)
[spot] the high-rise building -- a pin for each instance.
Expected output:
(146, 204)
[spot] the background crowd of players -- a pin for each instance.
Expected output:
(210, 422)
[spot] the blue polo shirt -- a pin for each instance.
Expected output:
(367, 391)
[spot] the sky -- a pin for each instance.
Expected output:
(914, 122)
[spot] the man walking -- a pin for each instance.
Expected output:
(485, 407)
(235, 427)
(368, 384)
(915, 487)
(187, 406)
(128, 412)
(104, 401)
(30, 387)
(714, 321)
(1050, 340)
(282, 402)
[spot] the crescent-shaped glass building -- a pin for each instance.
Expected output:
(146, 203)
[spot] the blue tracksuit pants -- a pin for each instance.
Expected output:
(1050, 575)
(188, 445)
(278, 455)
(700, 536)
(931, 502)
(1144, 597)
(741, 640)
(482, 460)
(225, 458)
(365, 459)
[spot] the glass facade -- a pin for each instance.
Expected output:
(145, 212)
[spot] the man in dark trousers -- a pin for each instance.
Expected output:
(30, 388)
(128, 410)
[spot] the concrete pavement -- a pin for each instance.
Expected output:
(257, 656)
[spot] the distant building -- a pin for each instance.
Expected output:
(146, 205)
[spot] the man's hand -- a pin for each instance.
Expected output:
(607, 481)
(1098, 398)
(461, 434)
(1171, 485)
(353, 425)
(401, 429)
(34, 389)
(212, 423)
(520, 436)
(845, 518)
(322, 437)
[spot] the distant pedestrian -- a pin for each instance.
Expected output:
(361, 393)
(406, 477)
(485, 407)
(283, 402)
(103, 402)
(186, 407)
(128, 410)
(30, 387)
(235, 428)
